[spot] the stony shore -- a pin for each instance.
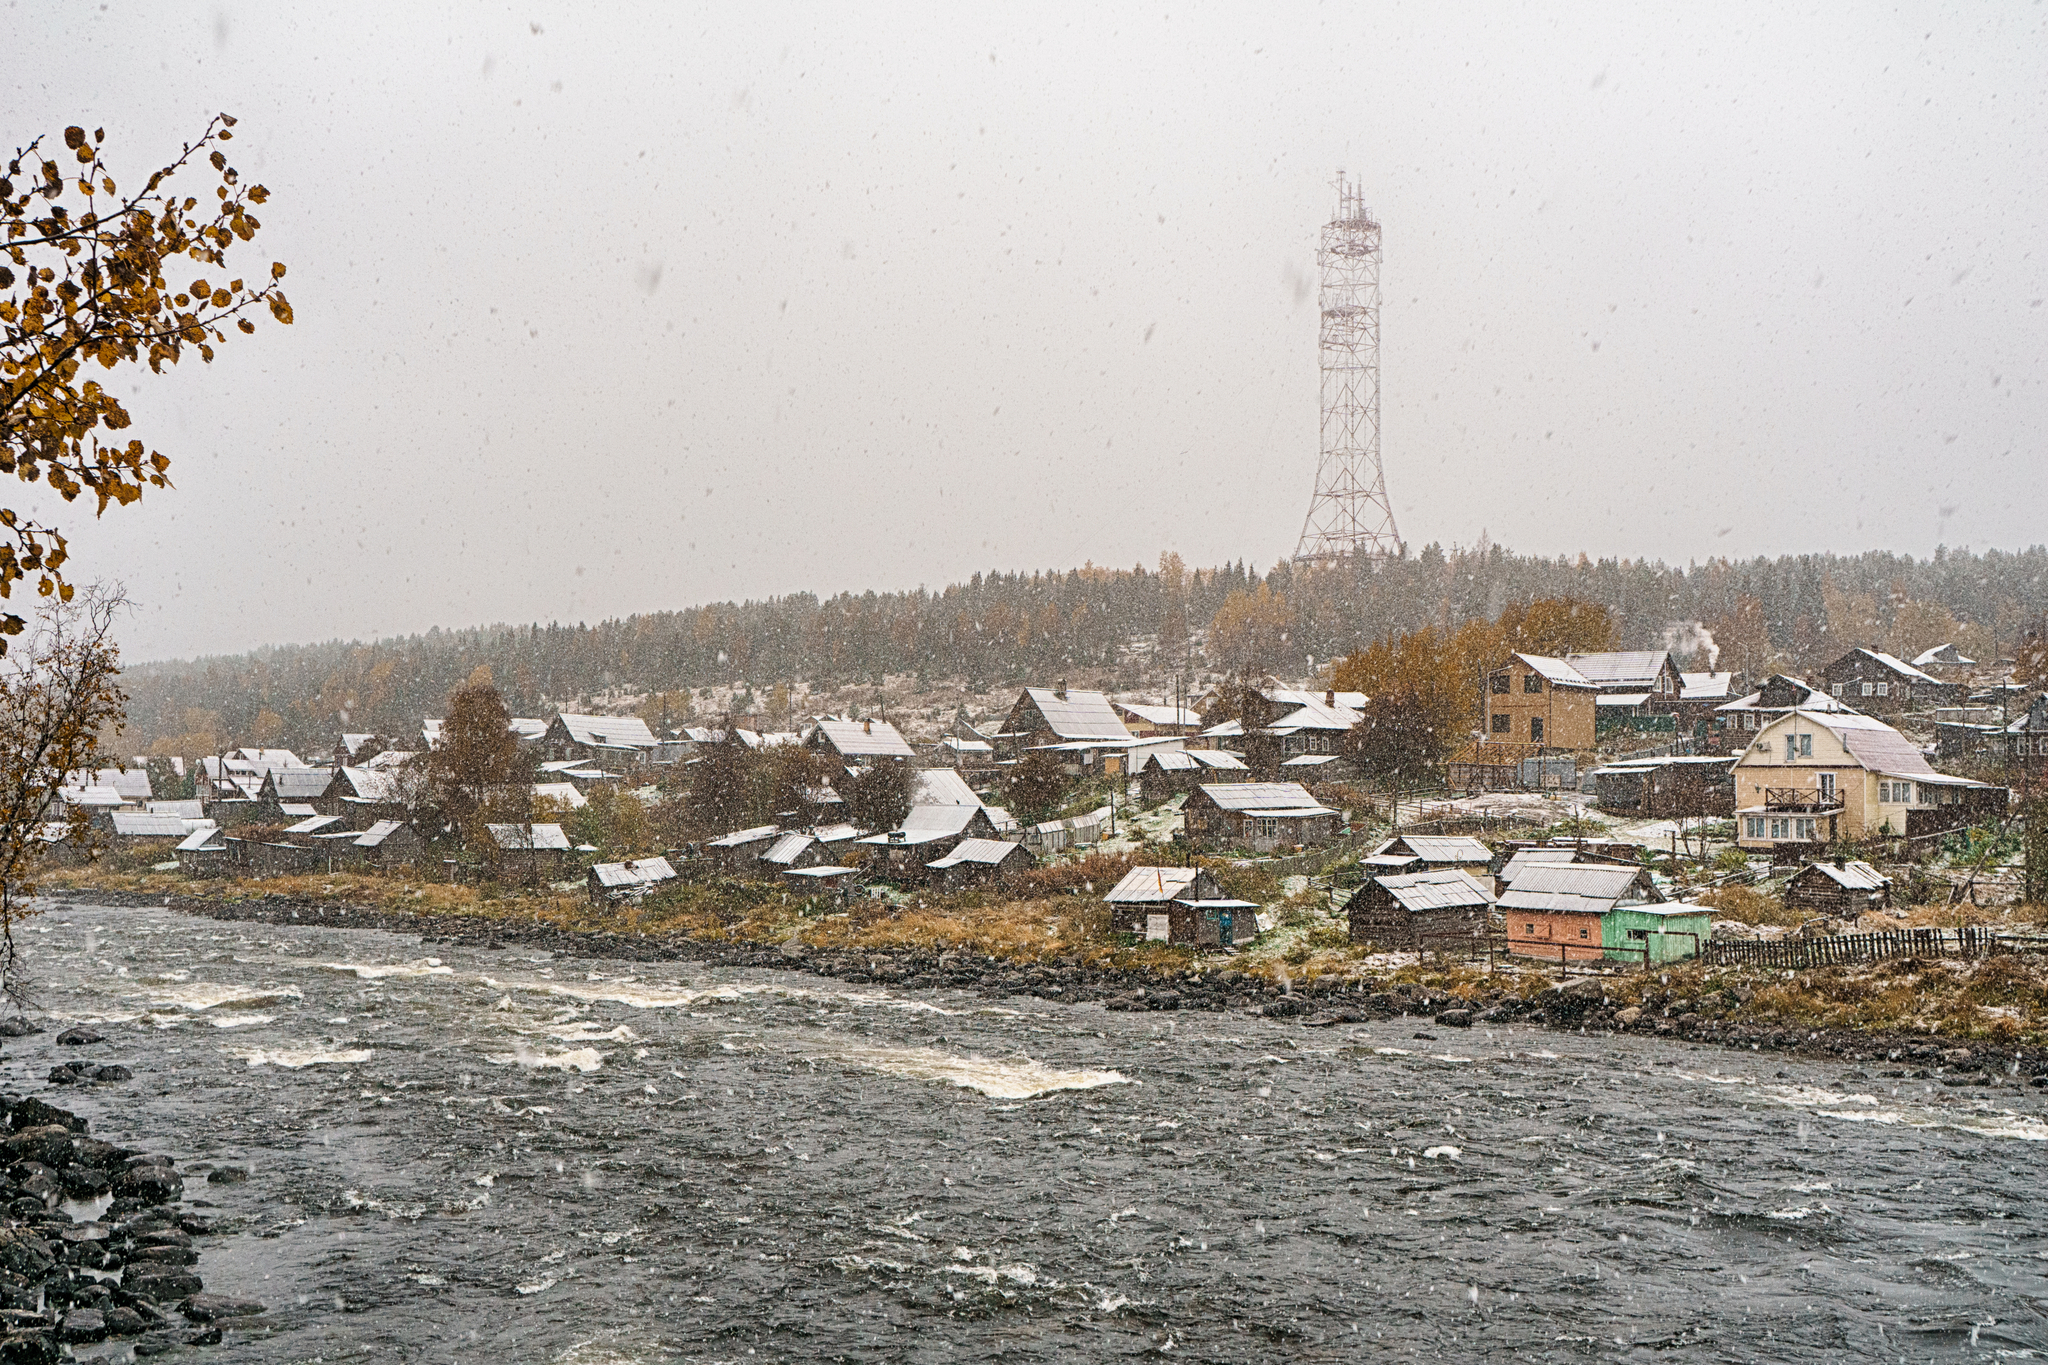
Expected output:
(1581, 1005)
(129, 1273)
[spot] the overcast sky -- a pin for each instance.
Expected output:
(605, 308)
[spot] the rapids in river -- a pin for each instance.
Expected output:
(505, 1156)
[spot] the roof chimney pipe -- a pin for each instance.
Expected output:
(1061, 690)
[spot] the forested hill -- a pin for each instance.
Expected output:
(1090, 622)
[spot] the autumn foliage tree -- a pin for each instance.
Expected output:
(477, 761)
(92, 280)
(56, 701)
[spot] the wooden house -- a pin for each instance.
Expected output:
(1402, 913)
(1164, 775)
(1841, 888)
(1554, 911)
(1435, 853)
(739, 850)
(1261, 816)
(611, 883)
(299, 786)
(540, 850)
(927, 834)
(608, 743)
(1080, 727)
(1181, 905)
(1671, 932)
(860, 743)
(981, 862)
(388, 843)
(1877, 683)
(1667, 786)
(1534, 702)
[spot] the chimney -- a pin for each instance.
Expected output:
(867, 727)
(1330, 698)
(1061, 690)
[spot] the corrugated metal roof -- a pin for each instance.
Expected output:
(376, 834)
(1591, 888)
(1263, 796)
(521, 838)
(941, 787)
(313, 824)
(1622, 667)
(1555, 671)
(1152, 885)
(628, 732)
(1288, 812)
(563, 793)
(189, 810)
(1169, 761)
(787, 849)
(1896, 664)
(1444, 889)
(367, 785)
(1526, 858)
(198, 839)
(1158, 715)
(986, 852)
(740, 838)
(1218, 759)
(136, 824)
(1852, 876)
(864, 738)
(643, 872)
(300, 784)
(1705, 686)
(1079, 714)
(1439, 848)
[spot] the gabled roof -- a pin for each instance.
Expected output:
(941, 787)
(984, 852)
(1890, 661)
(313, 824)
(1158, 715)
(1942, 654)
(1445, 889)
(1873, 744)
(132, 783)
(926, 824)
(1315, 710)
(1556, 672)
(641, 872)
(520, 838)
(1152, 885)
(1635, 669)
(136, 824)
(1850, 876)
(608, 732)
(299, 784)
(1078, 714)
(1260, 796)
(527, 727)
(1705, 686)
(190, 810)
(1587, 888)
(265, 759)
(200, 839)
(562, 792)
(740, 838)
(863, 738)
(1810, 698)
(788, 848)
(1438, 848)
(1191, 760)
(389, 758)
(365, 784)
(102, 798)
(1526, 858)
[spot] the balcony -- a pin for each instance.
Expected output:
(1801, 800)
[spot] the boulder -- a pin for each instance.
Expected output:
(159, 1283)
(156, 1184)
(227, 1175)
(25, 1254)
(84, 1035)
(163, 1255)
(49, 1144)
(1286, 1007)
(18, 1027)
(213, 1307)
(1455, 1018)
(30, 1348)
(33, 1113)
(1627, 1018)
(83, 1182)
(113, 1073)
(82, 1325)
(124, 1322)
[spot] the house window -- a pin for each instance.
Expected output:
(1535, 729)
(1806, 746)
(1532, 682)
(1529, 929)
(1499, 684)
(1640, 934)
(1827, 786)
(1869, 689)
(1884, 689)
(1781, 829)
(1756, 826)
(1749, 720)
(1805, 828)
(1501, 724)
(1582, 933)
(1791, 747)
(1838, 689)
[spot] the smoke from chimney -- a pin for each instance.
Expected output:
(1692, 637)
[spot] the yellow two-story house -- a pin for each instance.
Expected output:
(1814, 778)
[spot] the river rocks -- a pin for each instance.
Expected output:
(214, 1307)
(1286, 1007)
(75, 1073)
(153, 1184)
(82, 1325)
(84, 1035)
(123, 1321)
(30, 1348)
(18, 1027)
(24, 1254)
(34, 1113)
(159, 1283)
(227, 1175)
(1459, 1018)
(1627, 1017)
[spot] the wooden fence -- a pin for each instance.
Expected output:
(1968, 941)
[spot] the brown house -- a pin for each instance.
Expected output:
(1879, 684)
(1402, 913)
(981, 862)
(1260, 815)
(1539, 702)
(1180, 905)
(1554, 911)
(1843, 888)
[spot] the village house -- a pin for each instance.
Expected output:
(543, 850)
(1521, 859)
(1147, 721)
(2022, 745)
(1179, 905)
(927, 834)
(1430, 853)
(981, 862)
(1811, 779)
(1535, 703)
(1553, 911)
(1261, 816)
(1162, 776)
(612, 883)
(1668, 786)
(307, 786)
(1670, 932)
(388, 843)
(1075, 831)
(1944, 661)
(1402, 913)
(1841, 888)
(738, 851)
(1876, 683)
(607, 743)
(1735, 721)
(1080, 727)
(859, 743)
(1630, 683)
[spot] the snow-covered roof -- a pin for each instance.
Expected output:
(640, 872)
(520, 838)
(1158, 715)
(137, 824)
(1632, 668)
(1260, 796)
(1152, 885)
(986, 852)
(1705, 686)
(1078, 714)
(941, 787)
(1443, 889)
(313, 824)
(375, 835)
(740, 838)
(1556, 672)
(1593, 888)
(1438, 848)
(1851, 876)
(562, 793)
(1942, 654)
(864, 738)
(608, 732)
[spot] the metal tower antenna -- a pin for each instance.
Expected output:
(1350, 515)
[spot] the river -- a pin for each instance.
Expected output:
(502, 1156)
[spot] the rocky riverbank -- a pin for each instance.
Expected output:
(1585, 1004)
(93, 1245)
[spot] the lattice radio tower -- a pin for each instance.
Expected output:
(1350, 515)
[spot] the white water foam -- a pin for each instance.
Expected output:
(206, 995)
(296, 1058)
(584, 1059)
(1002, 1080)
(233, 1019)
(377, 971)
(648, 997)
(1980, 1119)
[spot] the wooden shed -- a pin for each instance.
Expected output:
(1439, 852)
(1671, 932)
(980, 862)
(1400, 912)
(1841, 887)
(1555, 911)
(1149, 890)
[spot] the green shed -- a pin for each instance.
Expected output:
(1672, 931)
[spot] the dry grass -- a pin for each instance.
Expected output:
(1747, 905)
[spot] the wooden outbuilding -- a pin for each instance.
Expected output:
(981, 862)
(1402, 913)
(1555, 911)
(1842, 887)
